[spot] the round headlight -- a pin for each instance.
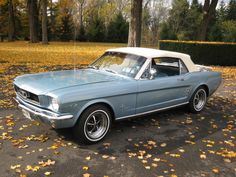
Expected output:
(55, 104)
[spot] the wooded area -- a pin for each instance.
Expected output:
(112, 20)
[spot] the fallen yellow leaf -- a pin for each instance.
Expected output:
(86, 175)
(215, 170)
(163, 145)
(85, 168)
(47, 173)
(202, 156)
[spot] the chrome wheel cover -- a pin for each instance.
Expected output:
(199, 100)
(96, 125)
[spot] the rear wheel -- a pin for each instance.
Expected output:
(198, 100)
(93, 124)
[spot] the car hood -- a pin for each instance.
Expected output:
(42, 83)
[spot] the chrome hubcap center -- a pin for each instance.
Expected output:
(199, 99)
(97, 124)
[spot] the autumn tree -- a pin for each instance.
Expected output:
(209, 9)
(52, 9)
(7, 19)
(178, 23)
(44, 22)
(106, 20)
(33, 20)
(134, 39)
(223, 25)
(228, 26)
(231, 10)
(65, 25)
(81, 4)
(194, 19)
(11, 26)
(81, 34)
(179, 18)
(154, 13)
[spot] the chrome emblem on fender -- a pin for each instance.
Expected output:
(187, 91)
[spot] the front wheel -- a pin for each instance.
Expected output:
(198, 100)
(93, 124)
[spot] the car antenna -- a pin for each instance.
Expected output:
(74, 56)
(75, 35)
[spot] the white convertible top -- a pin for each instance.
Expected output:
(153, 53)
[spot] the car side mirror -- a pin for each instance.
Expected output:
(153, 73)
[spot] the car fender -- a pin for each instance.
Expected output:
(195, 88)
(89, 103)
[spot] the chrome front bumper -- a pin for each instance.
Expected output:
(39, 114)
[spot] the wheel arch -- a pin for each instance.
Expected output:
(206, 88)
(204, 85)
(93, 103)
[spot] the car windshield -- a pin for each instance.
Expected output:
(119, 63)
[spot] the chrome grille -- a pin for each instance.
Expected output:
(26, 95)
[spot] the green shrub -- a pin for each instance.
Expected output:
(206, 53)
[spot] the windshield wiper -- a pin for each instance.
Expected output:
(111, 71)
(92, 67)
(105, 69)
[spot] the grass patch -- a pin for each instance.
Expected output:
(56, 53)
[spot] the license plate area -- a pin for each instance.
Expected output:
(26, 114)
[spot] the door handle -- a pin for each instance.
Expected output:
(181, 79)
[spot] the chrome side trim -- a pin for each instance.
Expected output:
(155, 110)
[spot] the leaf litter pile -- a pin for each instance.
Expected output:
(40, 151)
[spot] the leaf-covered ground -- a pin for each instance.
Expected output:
(171, 143)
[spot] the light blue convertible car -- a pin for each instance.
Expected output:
(122, 83)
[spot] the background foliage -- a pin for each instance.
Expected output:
(107, 21)
(204, 52)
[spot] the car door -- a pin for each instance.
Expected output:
(166, 90)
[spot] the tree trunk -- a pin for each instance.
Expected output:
(44, 22)
(134, 39)
(11, 26)
(33, 20)
(51, 21)
(81, 6)
(208, 11)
